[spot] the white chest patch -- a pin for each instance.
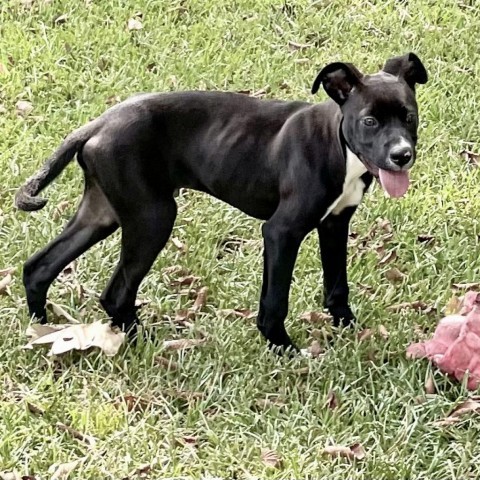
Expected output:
(353, 186)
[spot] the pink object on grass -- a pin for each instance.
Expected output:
(455, 345)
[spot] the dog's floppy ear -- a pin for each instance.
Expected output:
(338, 80)
(409, 67)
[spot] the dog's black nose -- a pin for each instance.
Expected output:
(401, 156)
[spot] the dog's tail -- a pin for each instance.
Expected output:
(26, 196)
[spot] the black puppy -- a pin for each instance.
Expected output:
(297, 165)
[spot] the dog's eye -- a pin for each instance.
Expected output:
(411, 117)
(369, 122)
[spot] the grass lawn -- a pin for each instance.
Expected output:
(229, 399)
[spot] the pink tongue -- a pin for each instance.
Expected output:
(394, 183)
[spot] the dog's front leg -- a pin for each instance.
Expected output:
(281, 244)
(333, 233)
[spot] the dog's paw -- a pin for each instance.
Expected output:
(342, 317)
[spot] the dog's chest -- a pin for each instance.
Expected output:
(353, 186)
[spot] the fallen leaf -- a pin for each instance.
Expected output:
(183, 343)
(426, 238)
(183, 316)
(134, 24)
(141, 471)
(176, 270)
(315, 350)
(89, 440)
(133, 403)
(201, 299)
(394, 275)
(467, 286)
(62, 471)
(316, 317)
(384, 225)
(471, 405)
(35, 410)
(178, 244)
(416, 305)
(270, 458)
(299, 46)
(61, 19)
(332, 401)
(355, 451)
(365, 334)
(60, 312)
(471, 158)
(389, 257)
(64, 338)
(23, 108)
(237, 312)
(382, 330)
(166, 362)
(4, 283)
(430, 388)
(182, 281)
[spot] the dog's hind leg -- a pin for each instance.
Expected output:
(94, 221)
(146, 228)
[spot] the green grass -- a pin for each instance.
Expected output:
(68, 71)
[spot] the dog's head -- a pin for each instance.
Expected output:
(380, 115)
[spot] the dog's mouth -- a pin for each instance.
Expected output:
(395, 183)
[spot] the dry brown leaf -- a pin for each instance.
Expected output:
(183, 343)
(471, 158)
(178, 244)
(166, 362)
(141, 471)
(270, 458)
(64, 338)
(355, 451)
(23, 108)
(430, 388)
(389, 257)
(467, 286)
(382, 330)
(62, 471)
(183, 281)
(6, 271)
(427, 239)
(332, 400)
(471, 405)
(415, 305)
(89, 440)
(316, 317)
(113, 100)
(237, 312)
(183, 316)
(365, 334)
(201, 299)
(134, 24)
(176, 270)
(315, 350)
(60, 312)
(394, 275)
(35, 410)
(4, 283)
(133, 403)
